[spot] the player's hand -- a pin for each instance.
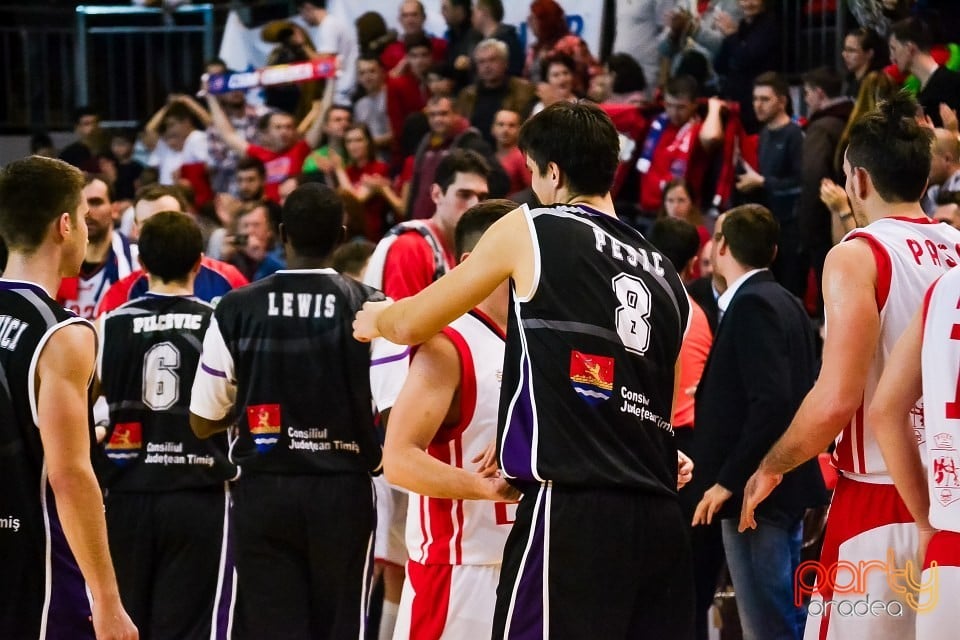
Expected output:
(487, 461)
(111, 622)
(499, 490)
(713, 499)
(684, 469)
(949, 118)
(365, 324)
(760, 485)
(833, 196)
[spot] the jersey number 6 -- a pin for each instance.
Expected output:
(161, 384)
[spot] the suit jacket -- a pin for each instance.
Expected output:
(762, 364)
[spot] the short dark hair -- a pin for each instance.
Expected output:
(178, 111)
(34, 192)
(896, 151)
(414, 40)
(913, 30)
(459, 161)
(870, 40)
(350, 257)
(628, 74)
(153, 192)
(826, 79)
(775, 81)
(682, 87)
(84, 111)
(580, 138)
(264, 122)
(557, 58)
(90, 178)
(677, 239)
(170, 245)
(313, 220)
(493, 7)
(40, 140)
(125, 133)
(477, 220)
(249, 163)
(752, 233)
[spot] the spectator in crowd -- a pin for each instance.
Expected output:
(412, 17)
(559, 72)
(827, 113)
(622, 82)
(548, 23)
(754, 48)
(371, 108)
(761, 365)
(283, 150)
(353, 172)
(863, 52)
(638, 25)
(127, 169)
(332, 36)
(109, 255)
(704, 31)
(944, 169)
(488, 21)
(258, 253)
(293, 45)
(174, 141)
(41, 144)
(244, 117)
(441, 82)
(494, 88)
(461, 37)
(910, 43)
(90, 146)
(776, 181)
(875, 87)
(447, 131)
(373, 37)
(251, 178)
(407, 92)
(336, 119)
(677, 145)
(506, 133)
(679, 203)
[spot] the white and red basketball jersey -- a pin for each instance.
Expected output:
(909, 255)
(941, 399)
(471, 532)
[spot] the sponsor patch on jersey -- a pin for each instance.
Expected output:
(125, 443)
(591, 376)
(264, 421)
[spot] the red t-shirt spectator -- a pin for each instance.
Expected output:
(279, 165)
(375, 208)
(693, 358)
(409, 267)
(515, 166)
(405, 95)
(395, 52)
(678, 154)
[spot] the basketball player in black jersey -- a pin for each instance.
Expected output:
(599, 547)
(279, 362)
(53, 538)
(166, 492)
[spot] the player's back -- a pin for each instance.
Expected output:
(590, 356)
(150, 348)
(909, 255)
(40, 576)
(303, 391)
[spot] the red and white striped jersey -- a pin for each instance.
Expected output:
(472, 532)
(940, 359)
(909, 255)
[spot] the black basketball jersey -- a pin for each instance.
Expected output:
(302, 382)
(589, 365)
(32, 544)
(149, 352)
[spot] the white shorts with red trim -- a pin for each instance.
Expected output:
(390, 541)
(861, 586)
(447, 602)
(938, 617)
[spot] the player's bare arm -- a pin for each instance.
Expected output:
(853, 331)
(504, 251)
(64, 369)
(427, 401)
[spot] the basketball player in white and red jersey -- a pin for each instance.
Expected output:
(444, 419)
(926, 361)
(873, 283)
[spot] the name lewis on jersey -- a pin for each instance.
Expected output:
(301, 305)
(649, 261)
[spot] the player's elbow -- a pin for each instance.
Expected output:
(394, 467)
(67, 478)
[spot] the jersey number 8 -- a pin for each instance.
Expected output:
(161, 384)
(632, 319)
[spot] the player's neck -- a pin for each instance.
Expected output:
(175, 288)
(97, 252)
(41, 267)
(603, 204)
(895, 210)
(298, 262)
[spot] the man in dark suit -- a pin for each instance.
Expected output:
(762, 364)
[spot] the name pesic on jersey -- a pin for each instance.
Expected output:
(148, 357)
(590, 356)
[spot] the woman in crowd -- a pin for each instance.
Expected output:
(548, 23)
(354, 175)
(678, 202)
(863, 52)
(558, 70)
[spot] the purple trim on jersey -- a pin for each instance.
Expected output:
(68, 614)
(226, 592)
(515, 454)
(212, 371)
(388, 359)
(14, 285)
(208, 286)
(528, 606)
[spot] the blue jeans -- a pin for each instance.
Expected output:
(762, 563)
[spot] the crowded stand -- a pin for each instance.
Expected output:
(321, 348)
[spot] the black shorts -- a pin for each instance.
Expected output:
(304, 551)
(172, 561)
(584, 563)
